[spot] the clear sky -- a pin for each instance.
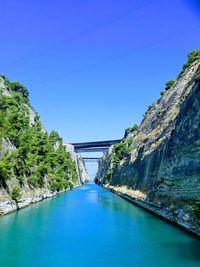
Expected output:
(93, 67)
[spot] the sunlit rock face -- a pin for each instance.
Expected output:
(164, 161)
(80, 165)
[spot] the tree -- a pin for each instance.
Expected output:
(192, 56)
(18, 88)
(169, 84)
(37, 157)
(16, 194)
(6, 166)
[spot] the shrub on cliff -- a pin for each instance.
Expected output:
(169, 84)
(18, 88)
(6, 167)
(131, 130)
(192, 56)
(120, 151)
(16, 193)
(196, 210)
(162, 93)
(14, 118)
(108, 176)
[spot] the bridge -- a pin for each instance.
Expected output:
(97, 146)
(91, 159)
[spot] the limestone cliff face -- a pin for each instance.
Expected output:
(80, 166)
(164, 157)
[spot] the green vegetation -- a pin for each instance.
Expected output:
(37, 157)
(108, 175)
(192, 56)
(169, 84)
(6, 167)
(196, 210)
(162, 93)
(131, 130)
(16, 193)
(20, 89)
(120, 151)
(158, 113)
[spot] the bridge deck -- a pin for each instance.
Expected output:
(95, 145)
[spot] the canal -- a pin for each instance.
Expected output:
(90, 226)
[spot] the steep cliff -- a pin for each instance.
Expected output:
(160, 161)
(80, 165)
(33, 164)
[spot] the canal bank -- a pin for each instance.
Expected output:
(7, 207)
(154, 209)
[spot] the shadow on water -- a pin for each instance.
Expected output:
(188, 250)
(186, 247)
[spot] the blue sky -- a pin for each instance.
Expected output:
(93, 67)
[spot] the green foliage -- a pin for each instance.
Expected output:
(20, 89)
(16, 193)
(34, 180)
(129, 141)
(6, 166)
(120, 151)
(108, 176)
(162, 93)
(158, 113)
(196, 210)
(5, 79)
(131, 130)
(169, 84)
(192, 56)
(14, 117)
(39, 158)
(55, 138)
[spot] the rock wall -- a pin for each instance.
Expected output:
(34, 165)
(164, 158)
(80, 165)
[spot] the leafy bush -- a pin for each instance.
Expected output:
(158, 113)
(162, 93)
(121, 150)
(18, 88)
(16, 193)
(196, 210)
(169, 84)
(108, 175)
(131, 130)
(6, 166)
(192, 56)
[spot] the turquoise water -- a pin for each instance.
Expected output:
(91, 227)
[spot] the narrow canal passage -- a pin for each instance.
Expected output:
(89, 227)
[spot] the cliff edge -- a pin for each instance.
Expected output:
(159, 161)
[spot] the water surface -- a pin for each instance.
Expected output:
(92, 227)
